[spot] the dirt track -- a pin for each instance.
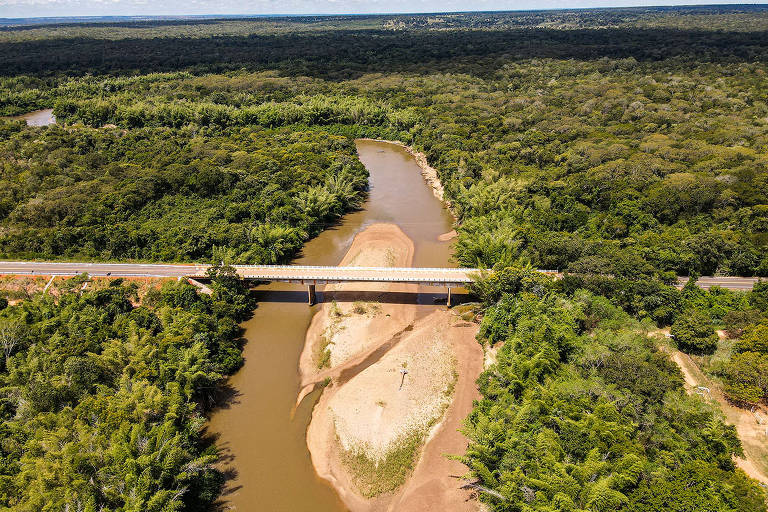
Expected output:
(752, 434)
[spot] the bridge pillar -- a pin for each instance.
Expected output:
(311, 297)
(448, 303)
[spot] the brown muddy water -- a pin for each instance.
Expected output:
(38, 117)
(263, 442)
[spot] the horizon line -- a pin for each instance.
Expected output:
(142, 17)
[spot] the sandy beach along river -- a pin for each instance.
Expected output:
(262, 437)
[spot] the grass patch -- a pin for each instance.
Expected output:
(370, 308)
(336, 311)
(389, 257)
(722, 354)
(467, 312)
(323, 353)
(372, 477)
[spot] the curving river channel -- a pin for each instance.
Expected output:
(262, 439)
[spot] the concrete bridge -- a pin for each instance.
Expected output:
(307, 275)
(310, 276)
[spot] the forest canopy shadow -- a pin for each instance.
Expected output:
(344, 54)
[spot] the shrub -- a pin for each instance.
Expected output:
(694, 333)
(755, 339)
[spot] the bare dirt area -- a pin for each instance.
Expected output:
(401, 383)
(17, 288)
(751, 425)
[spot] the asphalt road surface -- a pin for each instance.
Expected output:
(729, 282)
(437, 276)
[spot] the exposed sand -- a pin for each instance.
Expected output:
(351, 328)
(436, 483)
(752, 426)
(365, 411)
(372, 411)
(445, 237)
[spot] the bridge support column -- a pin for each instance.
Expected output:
(311, 296)
(448, 303)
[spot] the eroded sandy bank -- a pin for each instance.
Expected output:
(374, 417)
(430, 173)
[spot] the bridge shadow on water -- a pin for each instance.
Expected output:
(424, 298)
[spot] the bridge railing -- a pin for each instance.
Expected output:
(341, 269)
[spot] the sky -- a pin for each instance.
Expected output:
(46, 8)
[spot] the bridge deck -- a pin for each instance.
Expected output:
(285, 273)
(299, 274)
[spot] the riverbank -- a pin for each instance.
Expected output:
(401, 382)
(427, 171)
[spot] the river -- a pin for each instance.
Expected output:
(38, 117)
(263, 442)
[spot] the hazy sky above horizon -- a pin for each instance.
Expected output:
(45, 8)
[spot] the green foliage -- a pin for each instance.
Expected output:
(746, 377)
(376, 477)
(694, 486)
(172, 194)
(755, 339)
(103, 401)
(693, 332)
(490, 286)
(737, 321)
(595, 419)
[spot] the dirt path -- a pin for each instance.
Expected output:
(752, 433)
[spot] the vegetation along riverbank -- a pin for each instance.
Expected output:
(621, 147)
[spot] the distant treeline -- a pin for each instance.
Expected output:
(344, 54)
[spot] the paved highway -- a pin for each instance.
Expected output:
(732, 283)
(100, 269)
(298, 274)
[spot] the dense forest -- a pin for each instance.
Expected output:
(583, 411)
(624, 147)
(172, 194)
(104, 395)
